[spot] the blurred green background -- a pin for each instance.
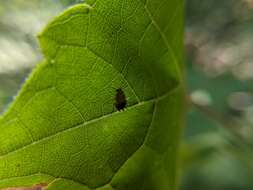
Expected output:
(217, 152)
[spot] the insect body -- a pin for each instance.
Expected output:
(120, 100)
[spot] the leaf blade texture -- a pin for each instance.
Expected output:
(63, 129)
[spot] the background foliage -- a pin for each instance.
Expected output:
(218, 137)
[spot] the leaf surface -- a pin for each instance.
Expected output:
(63, 129)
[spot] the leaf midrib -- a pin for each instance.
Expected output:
(92, 121)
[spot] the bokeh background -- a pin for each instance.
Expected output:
(217, 149)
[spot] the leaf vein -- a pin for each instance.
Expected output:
(91, 121)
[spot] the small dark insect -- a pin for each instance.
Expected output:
(120, 100)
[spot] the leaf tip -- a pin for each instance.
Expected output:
(76, 9)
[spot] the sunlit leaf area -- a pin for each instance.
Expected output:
(217, 143)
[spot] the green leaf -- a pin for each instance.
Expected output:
(63, 129)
